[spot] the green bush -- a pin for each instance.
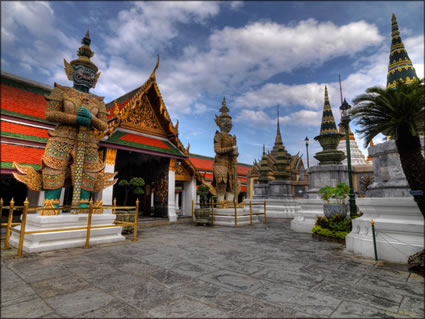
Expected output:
(334, 227)
(322, 222)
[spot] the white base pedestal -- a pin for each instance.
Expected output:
(306, 217)
(243, 216)
(399, 229)
(278, 208)
(65, 239)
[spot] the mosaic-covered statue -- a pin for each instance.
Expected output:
(72, 148)
(225, 161)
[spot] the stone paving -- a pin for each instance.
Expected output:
(194, 271)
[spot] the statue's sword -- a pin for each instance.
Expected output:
(79, 165)
(235, 177)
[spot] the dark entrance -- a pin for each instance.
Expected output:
(153, 169)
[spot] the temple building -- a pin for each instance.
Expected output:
(141, 141)
(279, 165)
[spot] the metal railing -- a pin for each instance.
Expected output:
(228, 204)
(91, 210)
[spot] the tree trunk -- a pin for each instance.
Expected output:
(413, 164)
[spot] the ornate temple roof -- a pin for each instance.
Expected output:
(328, 125)
(400, 67)
(280, 164)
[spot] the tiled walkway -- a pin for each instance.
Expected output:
(190, 271)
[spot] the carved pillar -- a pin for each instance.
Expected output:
(107, 193)
(172, 191)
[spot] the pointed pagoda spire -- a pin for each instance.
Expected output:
(328, 122)
(264, 168)
(400, 66)
(278, 140)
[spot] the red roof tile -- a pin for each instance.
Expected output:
(144, 140)
(201, 163)
(21, 154)
(22, 101)
(23, 129)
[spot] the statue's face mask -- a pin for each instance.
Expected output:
(226, 124)
(84, 76)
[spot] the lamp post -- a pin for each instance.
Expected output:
(345, 122)
(306, 146)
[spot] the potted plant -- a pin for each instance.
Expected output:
(202, 214)
(135, 186)
(335, 199)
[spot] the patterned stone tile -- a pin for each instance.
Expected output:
(233, 281)
(58, 285)
(115, 281)
(282, 263)
(180, 308)
(171, 279)
(15, 290)
(330, 274)
(288, 278)
(76, 303)
(158, 259)
(146, 295)
(412, 307)
(243, 267)
(115, 309)
(258, 309)
(31, 308)
(415, 290)
(298, 299)
(382, 299)
(348, 309)
(192, 269)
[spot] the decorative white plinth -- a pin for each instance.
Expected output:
(305, 218)
(399, 229)
(243, 216)
(65, 239)
(278, 208)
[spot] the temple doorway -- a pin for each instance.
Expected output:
(154, 171)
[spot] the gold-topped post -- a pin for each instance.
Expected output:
(89, 224)
(9, 223)
(115, 204)
(236, 213)
(24, 222)
(136, 217)
(250, 212)
(265, 216)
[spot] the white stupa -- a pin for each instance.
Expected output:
(357, 157)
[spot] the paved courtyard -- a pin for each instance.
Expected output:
(188, 271)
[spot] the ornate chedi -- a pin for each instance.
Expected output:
(357, 157)
(329, 137)
(264, 168)
(72, 149)
(400, 67)
(225, 161)
(282, 172)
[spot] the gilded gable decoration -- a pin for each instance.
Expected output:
(142, 118)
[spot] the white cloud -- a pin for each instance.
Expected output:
(254, 118)
(149, 26)
(200, 108)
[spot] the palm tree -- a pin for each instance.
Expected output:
(399, 113)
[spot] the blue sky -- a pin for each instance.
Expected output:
(257, 54)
